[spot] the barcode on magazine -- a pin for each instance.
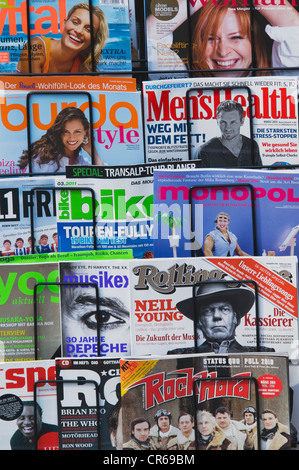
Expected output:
(112, 2)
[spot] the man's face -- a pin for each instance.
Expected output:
(249, 418)
(269, 420)
(185, 424)
(223, 420)
(25, 421)
(81, 318)
(141, 431)
(116, 434)
(217, 321)
(205, 426)
(230, 124)
(163, 423)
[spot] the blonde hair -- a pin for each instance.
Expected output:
(100, 36)
(208, 21)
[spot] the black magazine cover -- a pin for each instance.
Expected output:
(87, 401)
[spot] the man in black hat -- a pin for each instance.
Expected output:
(217, 308)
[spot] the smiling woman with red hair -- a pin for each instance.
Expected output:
(222, 37)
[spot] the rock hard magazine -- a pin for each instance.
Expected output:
(216, 38)
(172, 305)
(88, 403)
(28, 419)
(251, 202)
(192, 118)
(114, 202)
(206, 402)
(56, 37)
(34, 114)
(95, 308)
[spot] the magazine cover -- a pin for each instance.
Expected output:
(294, 396)
(28, 216)
(59, 40)
(213, 304)
(165, 50)
(228, 38)
(28, 419)
(116, 202)
(30, 311)
(206, 402)
(88, 400)
(210, 202)
(44, 128)
(212, 119)
(95, 308)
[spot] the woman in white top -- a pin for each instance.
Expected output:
(66, 142)
(221, 37)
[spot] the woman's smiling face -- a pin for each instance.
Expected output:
(229, 48)
(77, 30)
(72, 135)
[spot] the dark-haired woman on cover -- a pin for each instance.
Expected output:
(66, 142)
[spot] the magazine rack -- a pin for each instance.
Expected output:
(249, 187)
(237, 283)
(29, 113)
(59, 384)
(65, 284)
(54, 189)
(251, 380)
(189, 120)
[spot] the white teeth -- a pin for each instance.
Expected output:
(75, 38)
(225, 63)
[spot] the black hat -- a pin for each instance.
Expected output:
(241, 298)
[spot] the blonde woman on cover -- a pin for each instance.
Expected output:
(72, 52)
(222, 37)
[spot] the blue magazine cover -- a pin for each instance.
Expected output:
(59, 39)
(190, 202)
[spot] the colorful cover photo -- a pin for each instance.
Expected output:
(56, 37)
(206, 402)
(114, 202)
(44, 128)
(233, 304)
(95, 308)
(88, 403)
(228, 38)
(238, 122)
(198, 197)
(28, 216)
(28, 419)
